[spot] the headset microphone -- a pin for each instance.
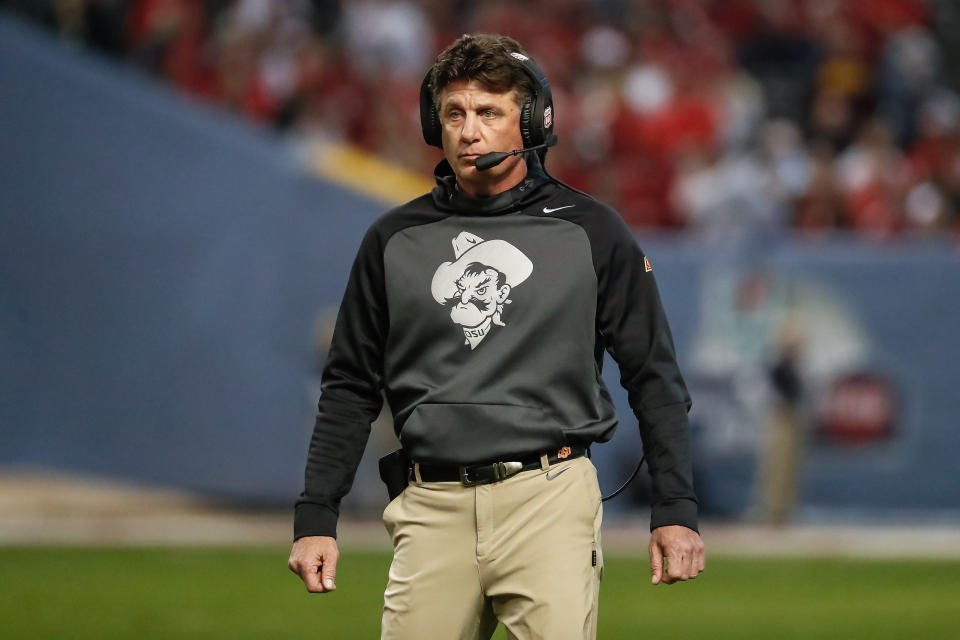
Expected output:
(490, 160)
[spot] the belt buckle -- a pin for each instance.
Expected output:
(466, 481)
(501, 470)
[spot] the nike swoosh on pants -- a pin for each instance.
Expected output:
(549, 477)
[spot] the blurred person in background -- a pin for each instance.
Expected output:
(482, 309)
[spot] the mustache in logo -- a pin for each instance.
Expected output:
(477, 302)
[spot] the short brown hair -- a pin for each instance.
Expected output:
(484, 58)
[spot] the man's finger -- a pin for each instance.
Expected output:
(656, 564)
(311, 578)
(689, 565)
(698, 559)
(667, 578)
(328, 573)
(676, 566)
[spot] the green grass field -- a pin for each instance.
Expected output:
(249, 593)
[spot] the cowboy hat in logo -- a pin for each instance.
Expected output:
(477, 284)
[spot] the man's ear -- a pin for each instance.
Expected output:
(502, 293)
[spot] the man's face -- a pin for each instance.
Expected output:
(478, 298)
(477, 121)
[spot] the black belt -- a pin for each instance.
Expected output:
(494, 471)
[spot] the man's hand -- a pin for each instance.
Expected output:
(683, 551)
(314, 559)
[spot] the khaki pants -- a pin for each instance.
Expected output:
(524, 551)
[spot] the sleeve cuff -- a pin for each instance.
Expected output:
(675, 512)
(311, 519)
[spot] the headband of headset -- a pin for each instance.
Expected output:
(536, 112)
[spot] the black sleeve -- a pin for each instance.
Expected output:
(634, 328)
(350, 394)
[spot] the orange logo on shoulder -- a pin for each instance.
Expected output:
(564, 452)
(646, 264)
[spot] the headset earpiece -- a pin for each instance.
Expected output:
(526, 122)
(429, 118)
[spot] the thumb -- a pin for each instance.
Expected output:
(328, 574)
(656, 564)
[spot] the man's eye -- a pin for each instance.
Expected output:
(481, 291)
(453, 115)
(489, 113)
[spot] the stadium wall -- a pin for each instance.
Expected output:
(170, 276)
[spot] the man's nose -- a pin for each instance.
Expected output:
(465, 297)
(471, 128)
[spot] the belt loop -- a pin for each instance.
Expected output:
(416, 473)
(544, 462)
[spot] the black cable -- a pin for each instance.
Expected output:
(624, 485)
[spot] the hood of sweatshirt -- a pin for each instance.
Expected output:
(447, 196)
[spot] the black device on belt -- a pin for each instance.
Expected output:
(494, 471)
(395, 472)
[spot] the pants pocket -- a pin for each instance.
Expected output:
(389, 515)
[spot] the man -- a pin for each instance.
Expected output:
(500, 520)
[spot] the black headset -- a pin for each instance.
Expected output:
(536, 112)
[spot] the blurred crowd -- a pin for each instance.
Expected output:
(713, 114)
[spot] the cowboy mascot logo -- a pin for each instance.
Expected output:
(477, 285)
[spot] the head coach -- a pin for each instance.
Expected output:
(482, 310)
